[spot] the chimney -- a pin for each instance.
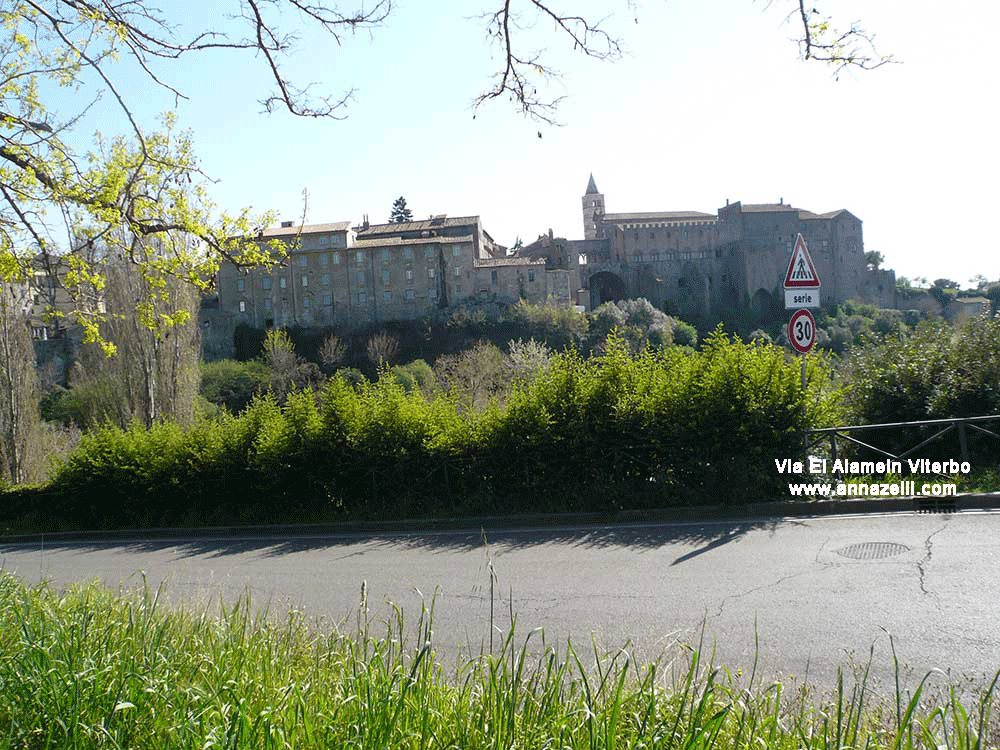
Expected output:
(364, 222)
(781, 201)
(550, 233)
(727, 201)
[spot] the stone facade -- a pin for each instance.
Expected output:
(690, 262)
(700, 263)
(339, 275)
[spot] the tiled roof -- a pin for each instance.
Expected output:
(752, 208)
(337, 226)
(513, 260)
(416, 226)
(394, 241)
(659, 216)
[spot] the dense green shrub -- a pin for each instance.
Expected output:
(936, 373)
(606, 433)
(234, 384)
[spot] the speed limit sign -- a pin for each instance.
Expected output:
(802, 331)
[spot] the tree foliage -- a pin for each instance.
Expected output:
(400, 212)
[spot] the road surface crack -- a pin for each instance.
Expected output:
(922, 563)
(818, 565)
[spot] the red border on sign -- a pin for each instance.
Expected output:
(800, 246)
(795, 316)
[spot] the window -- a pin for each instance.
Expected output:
(360, 277)
(385, 277)
(385, 255)
(652, 235)
(457, 272)
(430, 273)
(304, 261)
(243, 306)
(429, 251)
(305, 281)
(362, 298)
(433, 293)
(306, 303)
(325, 279)
(408, 253)
(456, 250)
(336, 259)
(360, 256)
(282, 282)
(324, 260)
(409, 274)
(241, 285)
(267, 303)
(387, 296)
(409, 294)
(493, 278)
(531, 276)
(266, 282)
(327, 299)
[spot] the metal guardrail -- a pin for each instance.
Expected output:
(959, 424)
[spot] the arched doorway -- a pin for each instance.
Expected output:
(605, 287)
(762, 304)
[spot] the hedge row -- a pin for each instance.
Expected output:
(607, 433)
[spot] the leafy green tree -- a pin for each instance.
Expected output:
(400, 212)
(234, 384)
(874, 259)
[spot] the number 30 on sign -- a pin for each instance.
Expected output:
(802, 331)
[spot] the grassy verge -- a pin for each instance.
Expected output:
(87, 668)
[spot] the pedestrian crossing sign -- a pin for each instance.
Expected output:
(801, 272)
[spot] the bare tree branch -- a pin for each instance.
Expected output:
(524, 72)
(821, 42)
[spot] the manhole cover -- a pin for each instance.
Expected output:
(872, 550)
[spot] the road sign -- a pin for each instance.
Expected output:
(801, 279)
(802, 331)
(796, 298)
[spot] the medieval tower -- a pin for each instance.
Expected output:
(593, 210)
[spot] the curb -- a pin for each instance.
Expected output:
(688, 514)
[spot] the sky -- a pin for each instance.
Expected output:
(710, 103)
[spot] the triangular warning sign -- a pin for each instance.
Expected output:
(801, 271)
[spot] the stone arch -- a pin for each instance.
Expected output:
(606, 287)
(762, 304)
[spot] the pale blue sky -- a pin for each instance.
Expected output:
(710, 103)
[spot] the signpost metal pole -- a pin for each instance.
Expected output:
(801, 292)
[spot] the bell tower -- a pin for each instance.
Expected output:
(593, 211)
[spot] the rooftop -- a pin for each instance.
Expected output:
(435, 222)
(291, 231)
(659, 216)
(394, 241)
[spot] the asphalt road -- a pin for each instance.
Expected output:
(817, 592)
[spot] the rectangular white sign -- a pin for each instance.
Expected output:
(796, 298)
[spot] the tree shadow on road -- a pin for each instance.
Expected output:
(701, 536)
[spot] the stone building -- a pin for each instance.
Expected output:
(341, 275)
(689, 262)
(699, 263)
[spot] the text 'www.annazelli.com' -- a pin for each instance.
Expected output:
(906, 488)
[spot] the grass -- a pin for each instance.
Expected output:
(87, 668)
